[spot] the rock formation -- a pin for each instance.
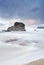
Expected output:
(40, 27)
(18, 26)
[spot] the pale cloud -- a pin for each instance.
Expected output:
(10, 21)
(25, 21)
(30, 21)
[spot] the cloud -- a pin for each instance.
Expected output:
(30, 21)
(24, 9)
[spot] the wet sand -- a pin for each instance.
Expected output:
(37, 62)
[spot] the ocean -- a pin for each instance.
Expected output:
(19, 48)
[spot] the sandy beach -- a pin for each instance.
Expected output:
(37, 62)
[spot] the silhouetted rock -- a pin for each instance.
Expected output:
(40, 27)
(18, 26)
(4, 30)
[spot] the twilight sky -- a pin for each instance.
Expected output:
(30, 10)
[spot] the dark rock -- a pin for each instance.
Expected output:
(18, 26)
(40, 27)
(4, 30)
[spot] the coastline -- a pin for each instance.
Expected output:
(37, 62)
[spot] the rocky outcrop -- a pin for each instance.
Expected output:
(40, 27)
(18, 26)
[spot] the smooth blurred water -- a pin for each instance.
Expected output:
(19, 48)
(30, 38)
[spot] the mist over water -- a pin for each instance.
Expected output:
(21, 47)
(27, 38)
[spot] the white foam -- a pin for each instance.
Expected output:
(29, 46)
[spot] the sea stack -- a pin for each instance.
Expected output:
(18, 26)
